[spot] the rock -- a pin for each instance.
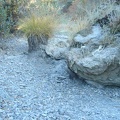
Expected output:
(94, 36)
(58, 47)
(94, 61)
(1, 110)
(72, 75)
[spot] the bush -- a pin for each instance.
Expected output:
(40, 26)
(38, 30)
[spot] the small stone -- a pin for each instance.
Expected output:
(1, 110)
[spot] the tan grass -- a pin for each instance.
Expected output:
(38, 25)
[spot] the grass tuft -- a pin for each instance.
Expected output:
(40, 26)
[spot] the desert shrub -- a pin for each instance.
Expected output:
(12, 10)
(37, 30)
(41, 26)
(40, 23)
(41, 18)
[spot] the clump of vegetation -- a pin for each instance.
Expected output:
(40, 26)
(37, 30)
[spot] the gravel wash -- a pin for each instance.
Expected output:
(36, 88)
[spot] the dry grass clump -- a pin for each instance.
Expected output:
(77, 26)
(40, 23)
(41, 26)
(42, 18)
(38, 30)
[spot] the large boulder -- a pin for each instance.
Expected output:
(97, 59)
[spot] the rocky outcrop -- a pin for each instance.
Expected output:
(93, 55)
(97, 58)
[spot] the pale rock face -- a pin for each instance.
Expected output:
(96, 33)
(101, 64)
(58, 47)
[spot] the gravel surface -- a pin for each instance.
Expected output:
(33, 88)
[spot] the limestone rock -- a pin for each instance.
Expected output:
(99, 64)
(93, 37)
(58, 47)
